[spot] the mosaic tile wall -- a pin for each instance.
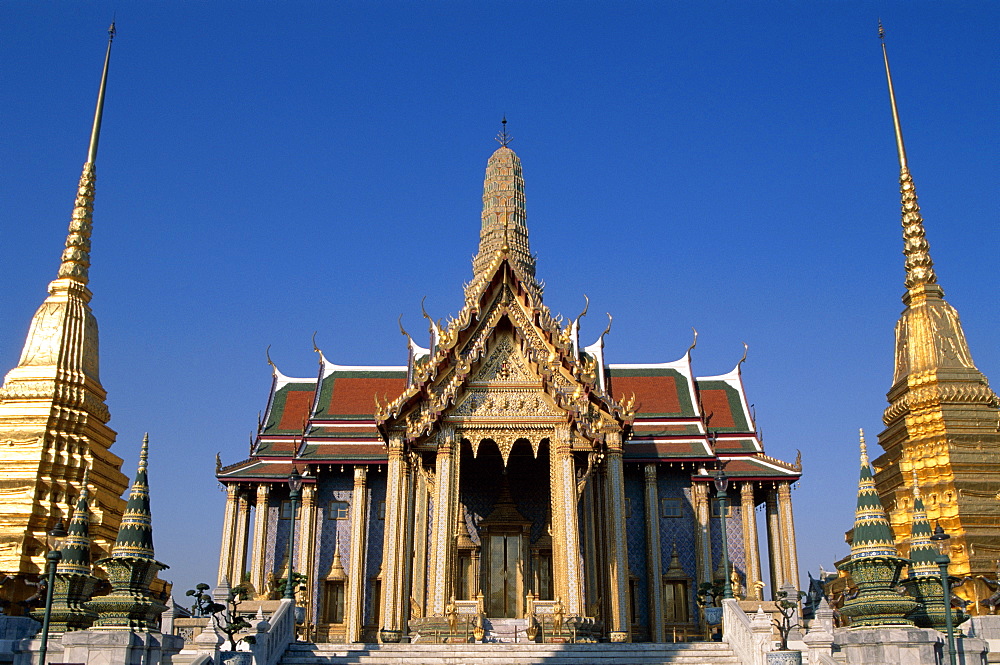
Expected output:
(635, 534)
(336, 486)
(679, 531)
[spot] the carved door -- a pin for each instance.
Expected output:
(504, 578)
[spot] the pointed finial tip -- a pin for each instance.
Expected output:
(881, 30)
(864, 447)
(144, 452)
(111, 30)
(503, 138)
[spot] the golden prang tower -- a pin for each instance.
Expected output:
(53, 416)
(943, 418)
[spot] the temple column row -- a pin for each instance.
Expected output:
(235, 528)
(781, 538)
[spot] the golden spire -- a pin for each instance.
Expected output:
(53, 400)
(864, 447)
(939, 402)
(919, 267)
(504, 227)
(76, 256)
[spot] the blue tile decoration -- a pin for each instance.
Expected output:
(376, 532)
(635, 536)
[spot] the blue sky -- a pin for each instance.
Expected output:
(268, 170)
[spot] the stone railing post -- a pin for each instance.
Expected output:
(819, 639)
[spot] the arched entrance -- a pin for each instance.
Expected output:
(506, 517)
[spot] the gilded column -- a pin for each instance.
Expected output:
(774, 544)
(788, 552)
(618, 551)
(565, 526)
(356, 559)
(228, 533)
(258, 574)
(238, 564)
(750, 544)
(592, 583)
(392, 550)
(404, 562)
(445, 516)
(702, 535)
(420, 562)
(654, 567)
(307, 541)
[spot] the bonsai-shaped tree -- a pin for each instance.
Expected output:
(226, 619)
(709, 593)
(297, 579)
(787, 604)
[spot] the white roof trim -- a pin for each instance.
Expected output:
(703, 442)
(330, 368)
(757, 460)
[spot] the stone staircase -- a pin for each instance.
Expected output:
(507, 631)
(690, 653)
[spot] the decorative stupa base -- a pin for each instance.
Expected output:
(130, 605)
(929, 613)
(69, 597)
(877, 603)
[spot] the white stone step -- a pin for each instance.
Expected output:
(693, 653)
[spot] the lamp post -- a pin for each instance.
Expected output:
(721, 484)
(54, 540)
(295, 490)
(940, 538)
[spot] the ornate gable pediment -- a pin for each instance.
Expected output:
(504, 386)
(505, 364)
(502, 358)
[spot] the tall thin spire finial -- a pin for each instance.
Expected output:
(95, 133)
(144, 452)
(503, 138)
(900, 148)
(76, 257)
(864, 447)
(919, 266)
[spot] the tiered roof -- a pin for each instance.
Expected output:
(664, 411)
